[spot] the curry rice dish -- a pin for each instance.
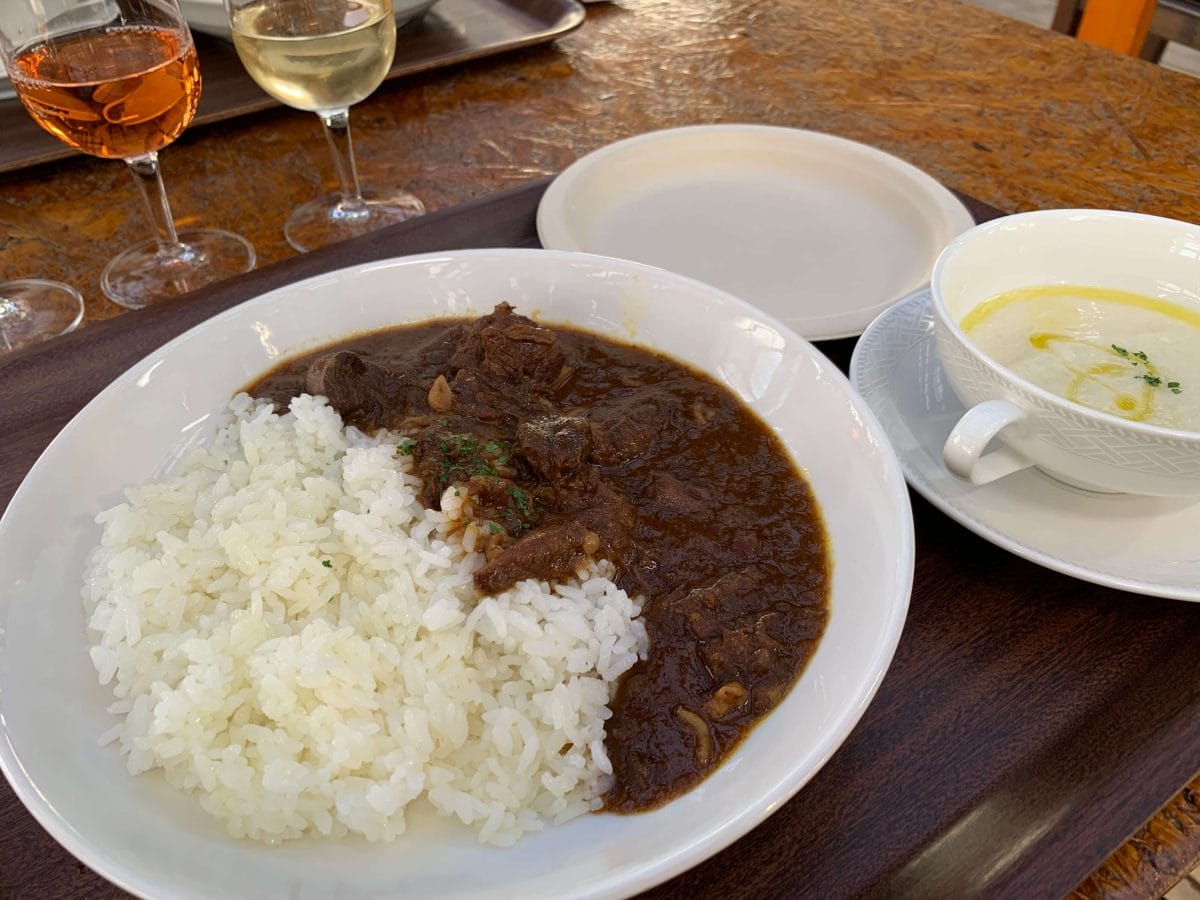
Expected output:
(581, 447)
(560, 457)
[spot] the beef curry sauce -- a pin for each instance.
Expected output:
(573, 446)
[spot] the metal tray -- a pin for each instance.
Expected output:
(453, 31)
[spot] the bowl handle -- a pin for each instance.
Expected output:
(963, 453)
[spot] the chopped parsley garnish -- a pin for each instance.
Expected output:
(459, 455)
(1139, 357)
(497, 450)
(493, 528)
(327, 563)
(407, 447)
(520, 498)
(1132, 357)
(453, 447)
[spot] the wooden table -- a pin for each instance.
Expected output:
(1016, 117)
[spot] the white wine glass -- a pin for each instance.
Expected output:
(324, 56)
(119, 79)
(33, 310)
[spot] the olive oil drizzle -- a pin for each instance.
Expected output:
(1083, 292)
(1126, 405)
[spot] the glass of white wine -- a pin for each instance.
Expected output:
(324, 56)
(119, 79)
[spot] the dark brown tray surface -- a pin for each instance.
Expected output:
(1029, 722)
(453, 31)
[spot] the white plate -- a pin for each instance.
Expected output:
(141, 835)
(1142, 544)
(6, 88)
(209, 16)
(821, 232)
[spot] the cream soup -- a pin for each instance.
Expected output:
(1122, 353)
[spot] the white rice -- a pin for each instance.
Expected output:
(291, 637)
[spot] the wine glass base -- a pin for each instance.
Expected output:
(329, 220)
(146, 274)
(33, 310)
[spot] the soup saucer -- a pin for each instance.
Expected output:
(1141, 544)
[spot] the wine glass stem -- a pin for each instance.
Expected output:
(148, 178)
(337, 133)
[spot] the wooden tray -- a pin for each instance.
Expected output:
(1029, 722)
(453, 31)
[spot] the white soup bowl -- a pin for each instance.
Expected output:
(1083, 447)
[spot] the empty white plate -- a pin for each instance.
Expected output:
(209, 16)
(822, 232)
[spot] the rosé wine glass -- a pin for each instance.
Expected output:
(119, 79)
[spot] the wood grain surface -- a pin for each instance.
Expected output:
(1014, 115)
(1030, 723)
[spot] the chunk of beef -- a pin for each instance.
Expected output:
(551, 552)
(514, 350)
(367, 395)
(492, 494)
(730, 654)
(613, 518)
(609, 511)
(517, 508)
(479, 401)
(556, 447)
(706, 611)
(640, 573)
(520, 352)
(559, 547)
(481, 397)
(741, 524)
(445, 454)
(671, 497)
(741, 648)
(625, 430)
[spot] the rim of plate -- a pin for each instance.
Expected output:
(555, 233)
(647, 873)
(209, 16)
(402, 7)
